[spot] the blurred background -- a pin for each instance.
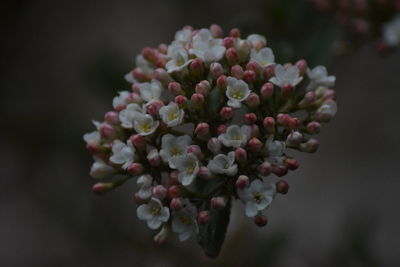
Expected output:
(63, 61)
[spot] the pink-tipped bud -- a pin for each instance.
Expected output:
(181, 101)
(294, 123)
(218, 202)
(216, 70)
(294, 139)
(249, 76)
(216, 31)
(283, 119)
(135, 168)
(176, 204)
(254, 144)
(136, 88)
(242, 182)
(138, 141)
(154, 158)
(267, 90)
(253, 100)
(232, 56)
(175, 88)
(154, 107)
(255, 130)
(112, 117)
(163, 76)
(235, 32)
(279, 170)
(287, 90)
(228, 42)
(240, 155)
(250, 118)
(311, 146)
(221, 129)
(203, 87)
(308, 99)
(197, 99)
(197, 66)
(265, 168)
(237, 72)
(162, 48)
(149, 54)
(101, 188)
(222, 82)
(313, 127)
(291, 163)
(204, 173)
(202, 129)
(176, 191)
(226, 113)
(159, 192)
(282, 187)
(260, 220)
(302, 66)
(163, 235)
(195, 150)
(329, 94)
(214, 145)
(135, 98)
(254, 67)
(269, 71)
(203, 217)
(107, 131)
(140, 76)
(138, 200)
(269, 124)
(93, 147)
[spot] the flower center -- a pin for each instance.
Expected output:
(173, 116)
(236, 94)
(191, 167)
(237, 137)
(155, 210)
(185, 220)
(258, 197)
(145, 127)
(179, 60)
(226, 166)
(175, 151)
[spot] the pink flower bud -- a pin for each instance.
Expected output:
(302, 66)
(269, 124)
(135, 168)
(283, 119)
(197, 66)
(249, 76)
(279, 170)
(260, 220)
(162, 48)
(228, 42)
(221, 129)
(176, 204)
(218, 202)
(181, 101)
(294, 123)
(282, 187)
(242, 182)
(202, 129)
(287, 90)
(234, 33)
(254, 144)
(107, 131)
(163, 76)
(163, 235)
(175, 88)
(136, 88)
(294, 139)
(149, 54)
(311, 146)
(154, 107)
(264, 169)
(214, 145)
(329, 94)
(308, 99)
(138, 141)
(204, 173)
(196, 150)
(203, 87)
(93, 147)
(112, 117)
(154, 158)
(135, 98)
(267, 90)
(250, 118)
(222, 82)
(291, 163)
(176, 191)
(232, 56)
(226, 113)
(269, 71)
(101, 188)
(216, 70)
(203, 217)
(237, 72)
(216, 31)
(253, 100)
(197, 99)
(254, 67)
(313, 127)
(240, 155)
(138, 200)
(159, 192)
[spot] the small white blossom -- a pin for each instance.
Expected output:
(223, 164)
(391, 32)
(100, 169)
(290, 76)
(172, 147)
(275, 149)
(171, 114)
(144, 124)
(264, 57)
(179, 60)
(127, 115)
(236, 91)
(319, 77)
(206, 47)
(254, 38)
(150, 91)
(123, 153)
(182, 38)
(144, 65)
(188, 167)
(184, 222)
(257, 197)
(145, 181)
(154, 213)
(93, 137)
(121, 99)
(235, 136)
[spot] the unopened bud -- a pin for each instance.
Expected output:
(101, 188)
(308, 99)
(250, 118)
(218, 202)
(221, 129)
(214, 145)
(138, 141)
(149, 54)
(195, 150)
(240, 155)
(159, 192)
(254, 144)
(175, 88)
(253, 100)
(253, 66)
(279, 170)
(237, 72)
(235, 32)
(254, 130)
(282, 187)
(135, 168)
(112, 117)
(154, 107)
(176, 204)
(228, 42)
(198, 100)
(249, 76)
(242, 182)
(222, 82)
(202, 129)
(138, 200)
(203, 87)
(181, 101)
(140, 75)
(311, 146)
(162, 48)
(291, 163)
(197, 66)
(216, 31)
(176, 191)
(154, 158)
(226, 113)
(269, 124)
(203, 217)
(267, 90)
(302, 66)
(260, 220)
(283, 119)
(232, 56)
(163, 76)
(287, 90)
(294, 139)
(163, 235)
(107, 131)
(204, 173)
(313, 127)
(216, 70)
(269, 71)
(264, 169)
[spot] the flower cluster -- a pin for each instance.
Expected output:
(208, 120)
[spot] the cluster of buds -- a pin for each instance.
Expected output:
(209, 119)
(365, 20)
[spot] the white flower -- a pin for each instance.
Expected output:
(123, 153)
(127, 115)
(100, 169)
(153, 212)
(93, 137)
(257, 197)
(275, 150)
(290, 76)
(236, 91)
(264, 57)
(144, 65)
(206, 47)
(223, 164)
(327, 110)
(182, 38)
(121, 99)
(184, 222)
(254, 38)
(188, 167)
(145, 181)
(235, 136)
(319, 77)
(150, 91)
(171, 114)
(172, 146)
(179, 59)
(391, 31)
(144, 124)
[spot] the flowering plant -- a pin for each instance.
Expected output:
(208, 120)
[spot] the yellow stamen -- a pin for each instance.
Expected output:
(155, 210)
(173, 116)
(175, 151)
(145, 127)
(191, 167)
(237, 94)
(258, 197)
(185, 220)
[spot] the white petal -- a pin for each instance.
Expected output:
(251, 209)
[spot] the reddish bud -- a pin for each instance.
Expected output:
(269, 71)
(216, 70)
(135, 168)
(253, 66)
(269, 124)
(226, 113)
(311, 146)
(287, 90)
(202, 129)
(283, 119)
(101, 188)
(149, 54)
(313, 127)
(181, 101)
(254, 130)
(204, 173)
(154, 107)
(159, 192)
(228, 42)
(154, 157)
(302, 66)
(175, 88)
(107, 131)
(218, 202)
(254, 144)
(222, 82)
(264, 169)
(162, 48)
(282, 187)
(279, 170)
(240, 155)
(294, 139)
(111, 117)
(234, 33)
(260, 220)
(214, 145)
(242, 182)
(237, 72)
(176, 191)
(203, 217)
(267, 90)
(138, 141)
(232, 56)
(163, 76)
(249, 76)
(176, 204)
(197, 66)
(216, 31)
(196, 150)
(221, 129)
(291, 163)
(138, 200)
(203, 87)
(250, 118)
(197, 99)
(253, 100)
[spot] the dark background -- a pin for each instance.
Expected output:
(63, 61)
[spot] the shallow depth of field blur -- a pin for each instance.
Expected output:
(63, 61)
